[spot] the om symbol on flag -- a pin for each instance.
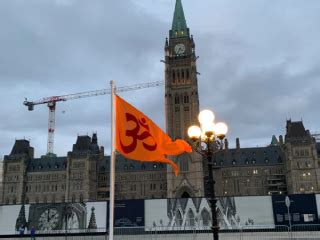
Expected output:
(134, 134)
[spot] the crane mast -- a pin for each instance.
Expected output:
(51, 104)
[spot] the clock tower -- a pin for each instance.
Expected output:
(182, 104)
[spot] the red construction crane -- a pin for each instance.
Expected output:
(51, 103)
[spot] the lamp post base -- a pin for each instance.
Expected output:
(215, 231)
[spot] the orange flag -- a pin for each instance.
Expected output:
(139, 138)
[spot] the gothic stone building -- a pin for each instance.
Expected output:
(80, 177)
(286, 166)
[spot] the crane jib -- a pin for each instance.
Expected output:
(51, 103)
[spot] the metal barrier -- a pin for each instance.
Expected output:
(301, 232)
(265, 232)
(311, 231)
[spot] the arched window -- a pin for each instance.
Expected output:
(178, 219)
(14, 201)
(182, 74)
(73, 199)
(27, 200)
(173, 75)
(190, 219)
(205, 218)
(81, 197)
(188, 74)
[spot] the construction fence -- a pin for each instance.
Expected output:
(300, 232)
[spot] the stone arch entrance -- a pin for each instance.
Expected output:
(185, 195)
(185, 192)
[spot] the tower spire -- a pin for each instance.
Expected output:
(179, 25)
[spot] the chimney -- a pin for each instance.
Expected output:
(226, 144)
(237, 143)
(280, 139)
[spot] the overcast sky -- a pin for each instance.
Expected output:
(259, 64)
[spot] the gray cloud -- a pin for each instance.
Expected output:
(258, 63)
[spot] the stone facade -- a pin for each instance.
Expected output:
(287, 167)
(302, 165)
(182, 104)
(80, 177)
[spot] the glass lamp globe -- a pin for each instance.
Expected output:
(194, 132)
(208, 129)
(221, 130)
(206, 116)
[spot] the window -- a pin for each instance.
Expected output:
(178, 219)
(306, 152)
(205, 218)
(184, 165)
(176, 99)
(186, 98)
(187, 73)
(190, 221)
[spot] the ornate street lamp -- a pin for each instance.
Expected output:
(208, 140)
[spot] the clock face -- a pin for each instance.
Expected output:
(49, 219)
(180, 48)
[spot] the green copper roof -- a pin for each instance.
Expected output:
(179, 24)
(274, 140)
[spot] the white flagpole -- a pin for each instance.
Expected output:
(112, 161)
